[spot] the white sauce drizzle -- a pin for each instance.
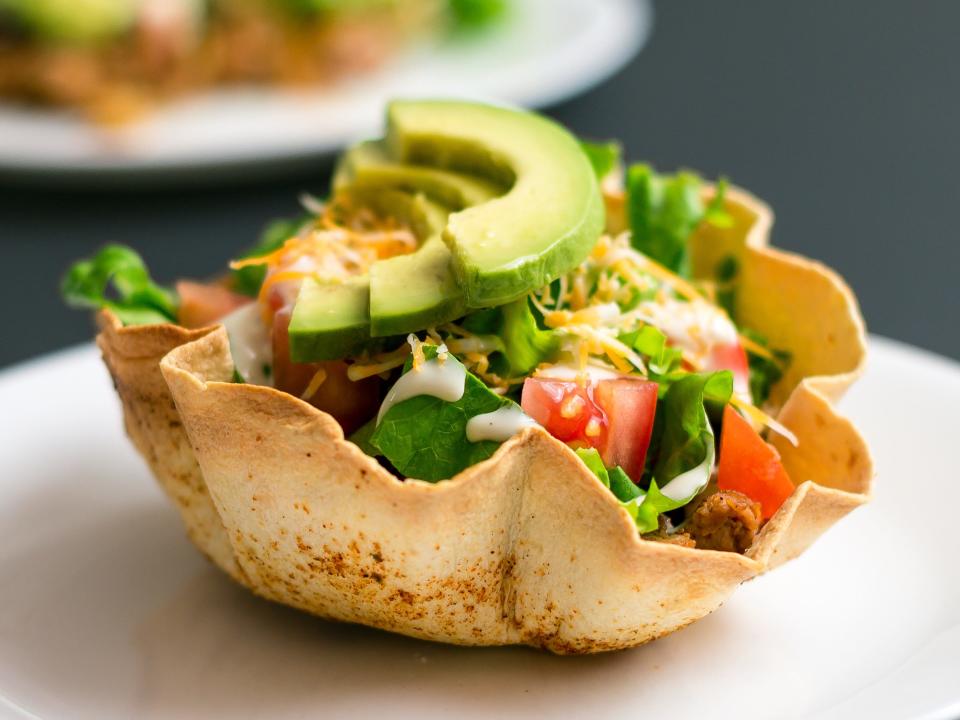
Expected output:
(499, 425)
(250, 344)
(695, 326)
(444, 380)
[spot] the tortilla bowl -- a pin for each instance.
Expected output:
(525, 547)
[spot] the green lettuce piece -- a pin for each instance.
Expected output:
(686, 433)
(604, 157)
(468, 15)
(620, 484)
(117, 279)
(685, 442)
(486, 321)
(247, 280)
(664, 210)
(764, 372)
(591, 458)
(361, 437)
(652, 345)
(523, 343)
(425, 437)
(526, 345)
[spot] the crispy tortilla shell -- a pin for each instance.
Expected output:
(525, 547)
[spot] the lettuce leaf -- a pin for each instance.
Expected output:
(614, 478)
(524, 344)
(764, 372)
(623, 488)
(664, 210)
(651, 343)
(361, 437)
(425, 437)
(247, 280)
(117, 279)
(686, 445)
(604, 157)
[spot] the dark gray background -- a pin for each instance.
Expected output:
(842, 115)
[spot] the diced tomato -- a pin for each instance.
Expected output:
(751, 466)
(351, 403)
(630, 405)
(615, 416)
(563, 407)
(731, 357)
(202, 304)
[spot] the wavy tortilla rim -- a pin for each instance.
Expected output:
(525, 547)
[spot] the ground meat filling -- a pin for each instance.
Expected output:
(666, 533)
(725, 520)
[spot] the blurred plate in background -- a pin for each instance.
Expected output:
(548, 50)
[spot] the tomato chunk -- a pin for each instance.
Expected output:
(351, 403)
(615, 416)
(734, 358)
(630, 405)
(202, 304)
(751, 466)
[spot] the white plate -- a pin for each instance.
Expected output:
(107, 612)
(547, 51)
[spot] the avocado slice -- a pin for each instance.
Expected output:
(367, 166)
(400, 305)
(502, 202)
(544, 226)
(336, 319)
(411, 292)
(330, 320)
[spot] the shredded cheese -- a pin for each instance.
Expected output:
(761, 418)
(416, 347)
(319, 377)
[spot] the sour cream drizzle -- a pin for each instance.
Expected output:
(499, 425)
(250, 344)
(445, 380)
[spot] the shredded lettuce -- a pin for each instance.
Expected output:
(425, 437)
(117, 279)
(664, 210)
(247, 280)
(604, 157)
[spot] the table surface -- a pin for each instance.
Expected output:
(841, 115)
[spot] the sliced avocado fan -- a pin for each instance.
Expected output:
(336, 319)
(547, 222)
(502, 202)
